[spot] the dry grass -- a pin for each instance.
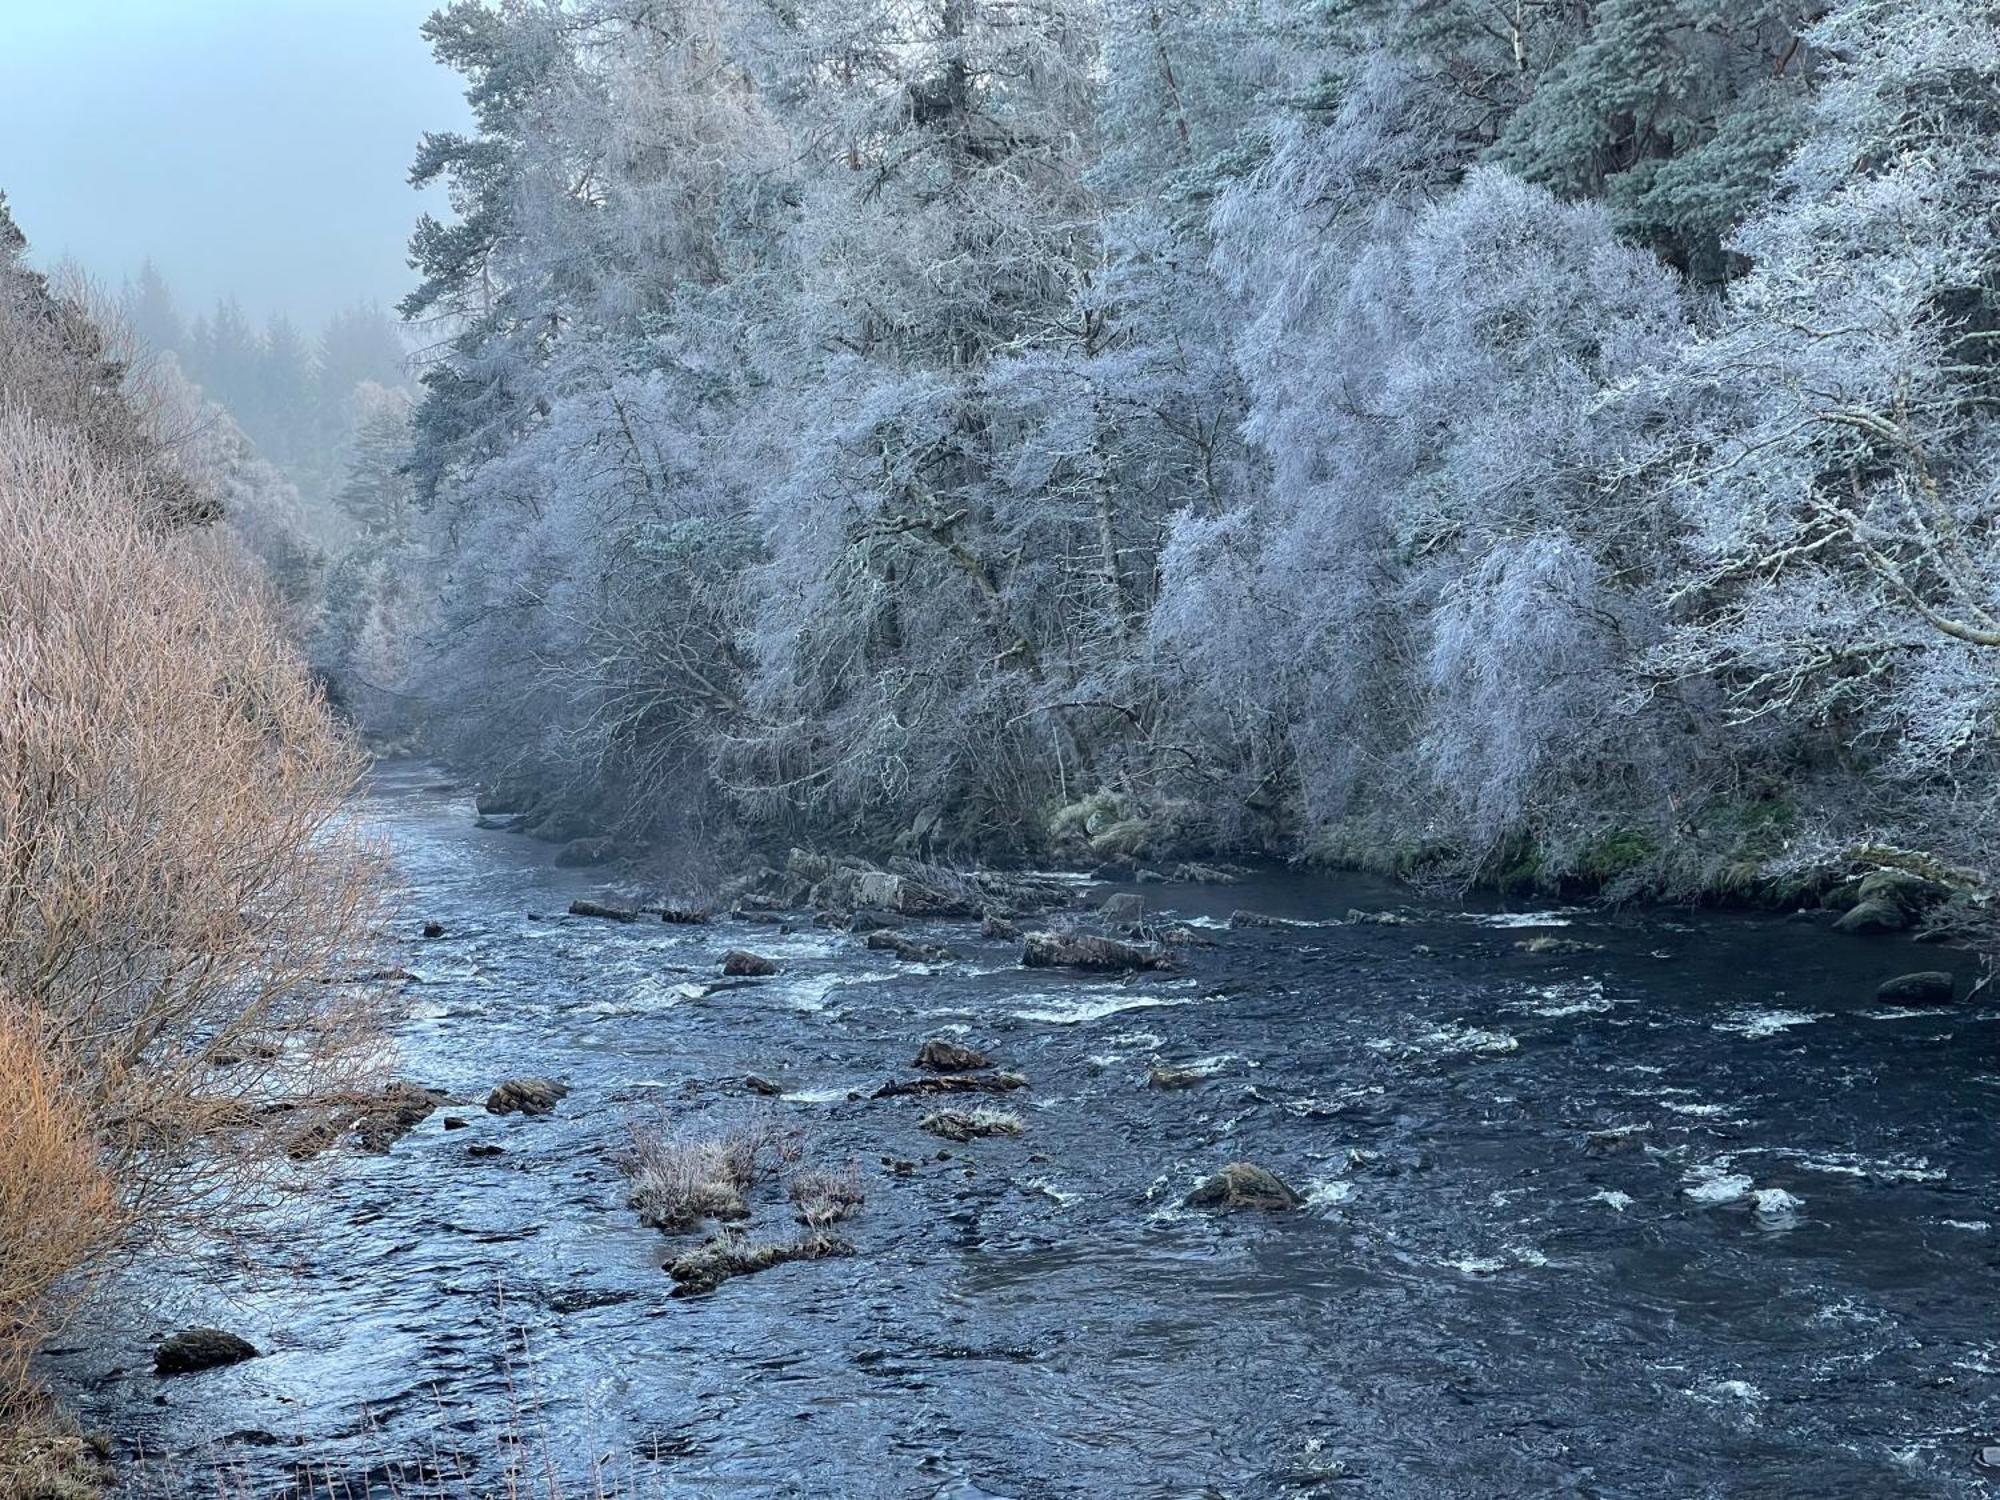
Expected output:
(826, 1195)
(681, 1178)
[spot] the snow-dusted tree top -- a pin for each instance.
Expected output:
(1560, 433)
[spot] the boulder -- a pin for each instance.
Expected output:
(681, 914)
(392, 1114)
(1873, 917)
(1547, 946)
(580, 854)
(499, 800)
(908, 949)
(1928, 987)
(1176, 1078)
(1242, 918)
(1125, 909)
(1244, 1184)
(764, 1086)
(738, 964)
(999, 929)
(1056, 950)
(873, 919)
(433, 929)
(526, 1096)
(1911, 893)
(194, 1349)
(942, 1055)
(584, 908)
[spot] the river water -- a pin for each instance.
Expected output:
(1779, 1280)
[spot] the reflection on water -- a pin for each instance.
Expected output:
(1687, 1215)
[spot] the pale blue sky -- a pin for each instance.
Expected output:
(259, 147)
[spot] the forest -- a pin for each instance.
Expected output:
(1538, 450)
(1523, 449)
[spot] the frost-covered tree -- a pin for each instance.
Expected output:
(1840, 477)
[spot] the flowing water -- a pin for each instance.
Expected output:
(1778, 1279)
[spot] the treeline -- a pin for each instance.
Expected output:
(292, 395)
(1538, 442)
(183, 910)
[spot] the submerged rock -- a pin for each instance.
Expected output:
(1244, 1184)
(526, 1096)
(610, 913)
(1548, 946)
(1055, 950)
(683, 915)
(763, 1086)
(957, 1125)
(195, 1349)
(433, 929)
(908, 949)
(999, 929)
(942, 1055)
(1176, 1078)
(1929, 987)
(739, 964)
(953, 1083)
(728, 1256)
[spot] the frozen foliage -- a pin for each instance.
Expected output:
(1539, 438)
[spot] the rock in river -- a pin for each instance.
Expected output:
(1244, 1184)
(1873, 917)
(739, 964)
(195, 1349)
(526, 1096)
(583, 908)
(1057, 950)
(1125, 909)
(1929, 987)
(942, 1055)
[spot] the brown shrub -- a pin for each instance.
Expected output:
(57, 1207)
(179, 891)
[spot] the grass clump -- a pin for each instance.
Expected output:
(680, 1179)
(826, 1195)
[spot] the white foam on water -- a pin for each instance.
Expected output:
(1136, 1039)
(1469, 1039)
(1069, 1010)
(1617, 1200)
(1970, 1226)
(830, 1095)
(1581, 997)
(1758, 1024)
(1510, 919)
(1887, 1169)
(1061, 1197)
(1715, 1183)
(1722, 1392)
(1325, 1192)
(1476, 1265)
(1776, 1202)
(1903, 1013)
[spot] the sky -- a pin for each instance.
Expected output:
(259, 148)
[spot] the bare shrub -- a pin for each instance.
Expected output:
(179, 891)
(57, 1206)
(826, 1195)
(680, 1179)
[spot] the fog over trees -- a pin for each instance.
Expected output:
(1523, 444)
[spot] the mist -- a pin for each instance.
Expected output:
(248, 150)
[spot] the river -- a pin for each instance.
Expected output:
(1776, 1275)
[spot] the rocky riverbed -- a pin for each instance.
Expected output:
(1573, 1204)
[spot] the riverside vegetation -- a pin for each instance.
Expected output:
(1552, 454)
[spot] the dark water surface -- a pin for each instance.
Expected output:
(1784, 1286)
